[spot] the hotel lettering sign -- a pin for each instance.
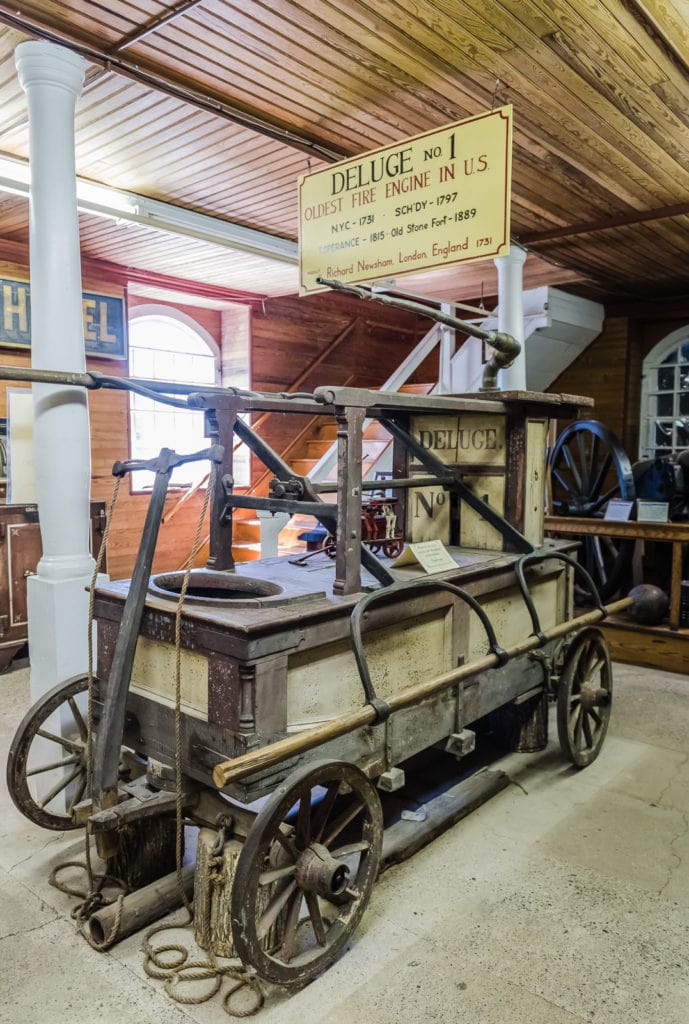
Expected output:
(105, 324)
(434, 200)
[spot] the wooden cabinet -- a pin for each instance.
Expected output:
(20, 551)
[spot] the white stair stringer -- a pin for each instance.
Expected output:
(557, 329)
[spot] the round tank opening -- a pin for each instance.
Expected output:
(213, 587)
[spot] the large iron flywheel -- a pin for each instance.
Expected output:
(589, 467)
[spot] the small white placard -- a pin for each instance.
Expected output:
(651, 511)
(618, 511)
(431, 555)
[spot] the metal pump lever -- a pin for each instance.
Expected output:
(111, 728)
(166, 461)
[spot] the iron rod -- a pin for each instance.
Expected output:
(330, 486)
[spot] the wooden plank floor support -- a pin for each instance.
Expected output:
(649, 646)
(404, 838)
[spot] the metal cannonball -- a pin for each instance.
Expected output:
(650, 604)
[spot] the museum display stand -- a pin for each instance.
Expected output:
(664, 646)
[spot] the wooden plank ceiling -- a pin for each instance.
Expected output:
(219, 105)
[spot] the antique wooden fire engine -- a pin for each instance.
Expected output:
(302, 685)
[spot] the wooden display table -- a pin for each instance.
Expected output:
(657, 646)
(674, 533)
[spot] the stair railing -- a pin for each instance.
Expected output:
(395, 381)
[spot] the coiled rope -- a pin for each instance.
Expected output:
(178, 968)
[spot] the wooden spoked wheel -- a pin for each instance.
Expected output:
(589, 467)
(306, 871)
(584, 697)
(392, 548)
(46, 766)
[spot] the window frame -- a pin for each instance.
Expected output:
(160, 311)
(653, 363)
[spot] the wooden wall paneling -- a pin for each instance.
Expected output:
(209, 319)
(653, 331)
(290, 333)
(601, 372)
(632, 411)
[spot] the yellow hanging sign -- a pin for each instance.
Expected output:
(430, 201)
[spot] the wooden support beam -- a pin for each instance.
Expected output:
(604, 224)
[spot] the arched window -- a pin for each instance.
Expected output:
(665, 397)
(165, 344)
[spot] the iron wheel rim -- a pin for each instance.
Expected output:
(74, 760)
(588, 468)
(328, 927)
(584, 698)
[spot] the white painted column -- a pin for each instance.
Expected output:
(446, 351)
(235, 371)
(52, 78)
(511, 313)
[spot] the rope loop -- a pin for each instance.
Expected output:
(92, 898)
(162, 967)
(250, 982)
(180, 970)
(196, 970)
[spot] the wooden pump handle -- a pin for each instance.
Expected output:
(266, 757)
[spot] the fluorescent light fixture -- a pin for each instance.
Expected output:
(94, 198)
(166, 217)
(103, 201)
(14, 177)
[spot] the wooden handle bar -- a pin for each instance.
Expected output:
(266, 757)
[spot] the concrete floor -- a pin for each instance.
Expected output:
(564, 899)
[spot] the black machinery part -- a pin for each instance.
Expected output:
(589, 467)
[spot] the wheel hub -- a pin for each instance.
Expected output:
(318, 872)
(578, 505)
(591, 698)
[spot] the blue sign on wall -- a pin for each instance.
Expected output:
(105, 323)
